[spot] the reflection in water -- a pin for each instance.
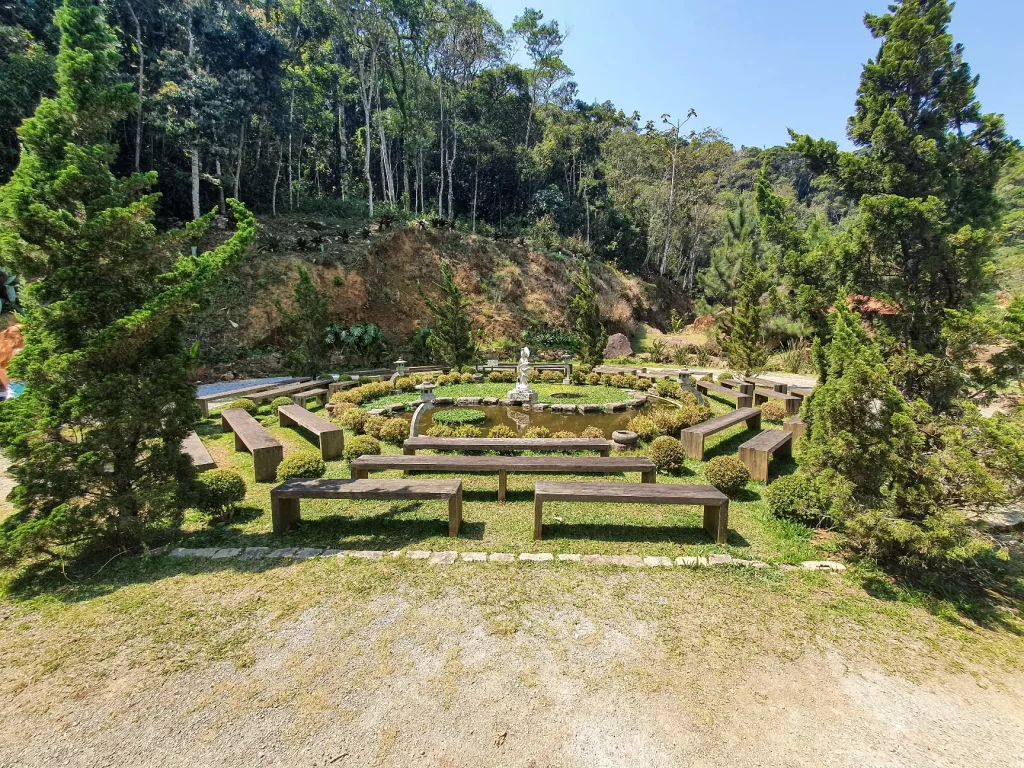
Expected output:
(521, 420)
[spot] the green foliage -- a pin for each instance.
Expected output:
(727, 474)
(247, 405)
(1008, 363)
(740, 245)
(500, 430)
(373, 425)
(742, 331)
(309, 351)
(585, 313)
(394, 431)
(667, 454)
(362, 344)
(361, 445)
(467, 430)
(564, 434)
(773, 410)
(537, 432)
(593, 433)
(218, 491)
(277, 402)
(794, 497)
(95, 438)
(669, 420)
(457, 416)
(645, 427)
(354, 419)
(302, 465)
(451, 340)
(502, 377)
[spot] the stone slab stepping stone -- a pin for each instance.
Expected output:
(367, 554)
(224, 553)
(658, 562)
(569, 558)
(443, 558)
(255, 553)
(474, 557)
(502, 557)
(308, 553)
(536, 557)
(719, 560)
(417, 554)
(284, 552)
(822, 565)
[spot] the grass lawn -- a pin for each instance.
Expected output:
(599, 395)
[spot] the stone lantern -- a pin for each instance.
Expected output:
(401, 367)
(426, 402)
(567, 359)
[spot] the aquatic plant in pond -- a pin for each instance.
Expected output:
(458, 416)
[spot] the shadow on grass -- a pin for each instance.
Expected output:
(730, 446)
(638, 533)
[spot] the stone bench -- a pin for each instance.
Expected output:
(331, 437)
(755, 452)
(205, 401)
(250, 435)
(777, 386)
(502, 465)
(746, 387)
(715, 503)
(193, 447)
(320, 395)
(762, 396)
(286, 498)
(707, 387)
(693, 437)
(506, 445)
(800, 392)
(795, 425)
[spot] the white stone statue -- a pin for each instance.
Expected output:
(524, 369)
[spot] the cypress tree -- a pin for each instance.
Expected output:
(309, 353)
(451, 339)
(585, 312)
(95, 438)
(743, 336)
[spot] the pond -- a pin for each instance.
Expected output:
(522, 420)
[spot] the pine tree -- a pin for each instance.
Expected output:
(742, 338)
(309, 353)
(585, 312)
(720, 279)
(95, 438)
(451, 339)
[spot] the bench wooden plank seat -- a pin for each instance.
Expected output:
(331, 437)
(582, 465)
(755, 452)
(508, 445)
(285, 498)
(792, 403)
(250, 435)
(693, 437)
(708, 387)
(746, 387)
(288, 390)
(715, 503)
(193, 447)
(800, 392)
(301, 398)
(230, 394)
(797, 426)
(776, 386)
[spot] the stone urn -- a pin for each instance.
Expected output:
(624, 439)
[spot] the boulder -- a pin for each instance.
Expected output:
(618, 346)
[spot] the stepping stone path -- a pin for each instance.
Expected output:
(449, 557)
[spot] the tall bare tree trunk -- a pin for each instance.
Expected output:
(142, 80)
(277, 179)
(663, 267)
(194, 152)
(220, 188)
(238, 166)
(451, 164)
(291, 180)
(476, 189)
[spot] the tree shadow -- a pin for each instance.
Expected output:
(617, 532)
(730, 446)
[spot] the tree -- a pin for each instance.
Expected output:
(1008, 363)
(743, 333)
(924, 171)
(451, 340)
(586, 317)
(720, 280)
(96, 437)
(309, 353)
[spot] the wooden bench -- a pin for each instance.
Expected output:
(776, 386)
(506, 445)
(693, 437)
(795, 425)
(330, 436)
(715, 503)
(800, 392)
(320, 395)
(193, 447)
(340, 386)
(285, 498)
(762, 396)
(746, 387)
(584, 465)
(287, 390)
(206, 400)
(250, 435)
(755, 452)
(707, 387)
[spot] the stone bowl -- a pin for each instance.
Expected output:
(625, 437)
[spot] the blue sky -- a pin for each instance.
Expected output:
(755, 67)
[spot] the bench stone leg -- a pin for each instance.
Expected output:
(204, 408)
(760, 399)
(754, 422)
(283, 420)
(239, 445)
(693, 444)
(650, 476)
(785, 451)
(744, 401)
(265, 461)
(299, 400)
(538, 518)
(408, 451)
(283, 512)
(746, 389)
(606, 452)
(793, 407)
(361, 474)
(455, 514)
(502, 484)
(332, 445)
(716, 522)
(225, 427)
(782, 389)
(756, 461)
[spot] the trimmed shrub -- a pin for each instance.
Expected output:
(245, 404)
(466, 377)
(367, 392)
(618, 380)
(644, 426)
(394, 431)
(218, 492)
(341, 407)
(306, 464)
(502, 377)
(727, 474)
(593, 379)
(468, 430)
(694, 414)
(606, 380)
(277, 402)
(373, 425)
(643, 384)
(667, 454)
(565, 434)
(593, 433)
(793, 497)
(667, 388)
(500, 430)
(354, 419)
(669, 421)
(363, 445)
(632, 381)
(773, 411)
(404, 384)
(552, 377)
(457, 416)
(440, 430)
(537, 432)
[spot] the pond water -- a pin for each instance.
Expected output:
(521, 420)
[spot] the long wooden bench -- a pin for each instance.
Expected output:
(762, 396)
(800, 392)
(583, 465)
(250, 435)
(331, 437)
(693, 437)
(707, 387)
(797, 426)
(193, 447)
(205, 401)
(506, 445)
(746, 387)
(320, 395)
(777, 386)
(286, 498)
(335, 387)
(715, 503)
(755, 452)
(287, 390)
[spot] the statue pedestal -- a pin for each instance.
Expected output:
(522, 395)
